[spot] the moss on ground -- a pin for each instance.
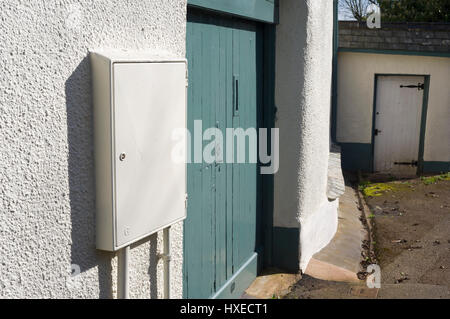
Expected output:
(428, 180)
(378, 189)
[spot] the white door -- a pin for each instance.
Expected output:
(398, 110)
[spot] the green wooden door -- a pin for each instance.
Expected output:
(225, 81)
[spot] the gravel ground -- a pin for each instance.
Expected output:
(412, 242)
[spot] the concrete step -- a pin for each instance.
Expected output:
(271, 284)
(340, 260)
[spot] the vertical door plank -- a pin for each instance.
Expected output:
(220, 169)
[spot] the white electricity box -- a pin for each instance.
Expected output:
(139, 101)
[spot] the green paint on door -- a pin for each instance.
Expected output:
(225, 76)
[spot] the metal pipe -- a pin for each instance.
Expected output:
(166, 256)
(123, 280)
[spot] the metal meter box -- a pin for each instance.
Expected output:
(138, 103)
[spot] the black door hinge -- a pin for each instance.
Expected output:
(420, 86)
(412, 163)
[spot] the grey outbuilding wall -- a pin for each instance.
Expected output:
(47, 196)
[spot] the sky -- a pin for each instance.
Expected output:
(345, 15)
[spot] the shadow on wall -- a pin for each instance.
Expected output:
(82, 188)
(81, 178)
(152, 271)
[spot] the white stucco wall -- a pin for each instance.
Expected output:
(47, 203)
(302, 97)
(356, 75)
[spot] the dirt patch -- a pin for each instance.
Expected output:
(312, 288)
(411, 239)
(412, 220)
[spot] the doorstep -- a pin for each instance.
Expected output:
(272, 283)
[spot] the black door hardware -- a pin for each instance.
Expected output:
(412, 163)
(377, 131)
(420, 86)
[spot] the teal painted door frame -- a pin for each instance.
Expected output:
(334, 87)
(267, 120)
(235, 202)
(259, 10)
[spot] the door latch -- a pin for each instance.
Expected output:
(419, 86)
(376, 132)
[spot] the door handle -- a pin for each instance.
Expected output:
(377, 131)
(235, 95)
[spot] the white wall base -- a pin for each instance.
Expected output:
(317, 231)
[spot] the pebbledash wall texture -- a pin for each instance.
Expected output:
(303, 215)
(47, 186)
(47, 193)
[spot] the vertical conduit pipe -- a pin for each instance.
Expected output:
(123, 263)
(166, 256)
